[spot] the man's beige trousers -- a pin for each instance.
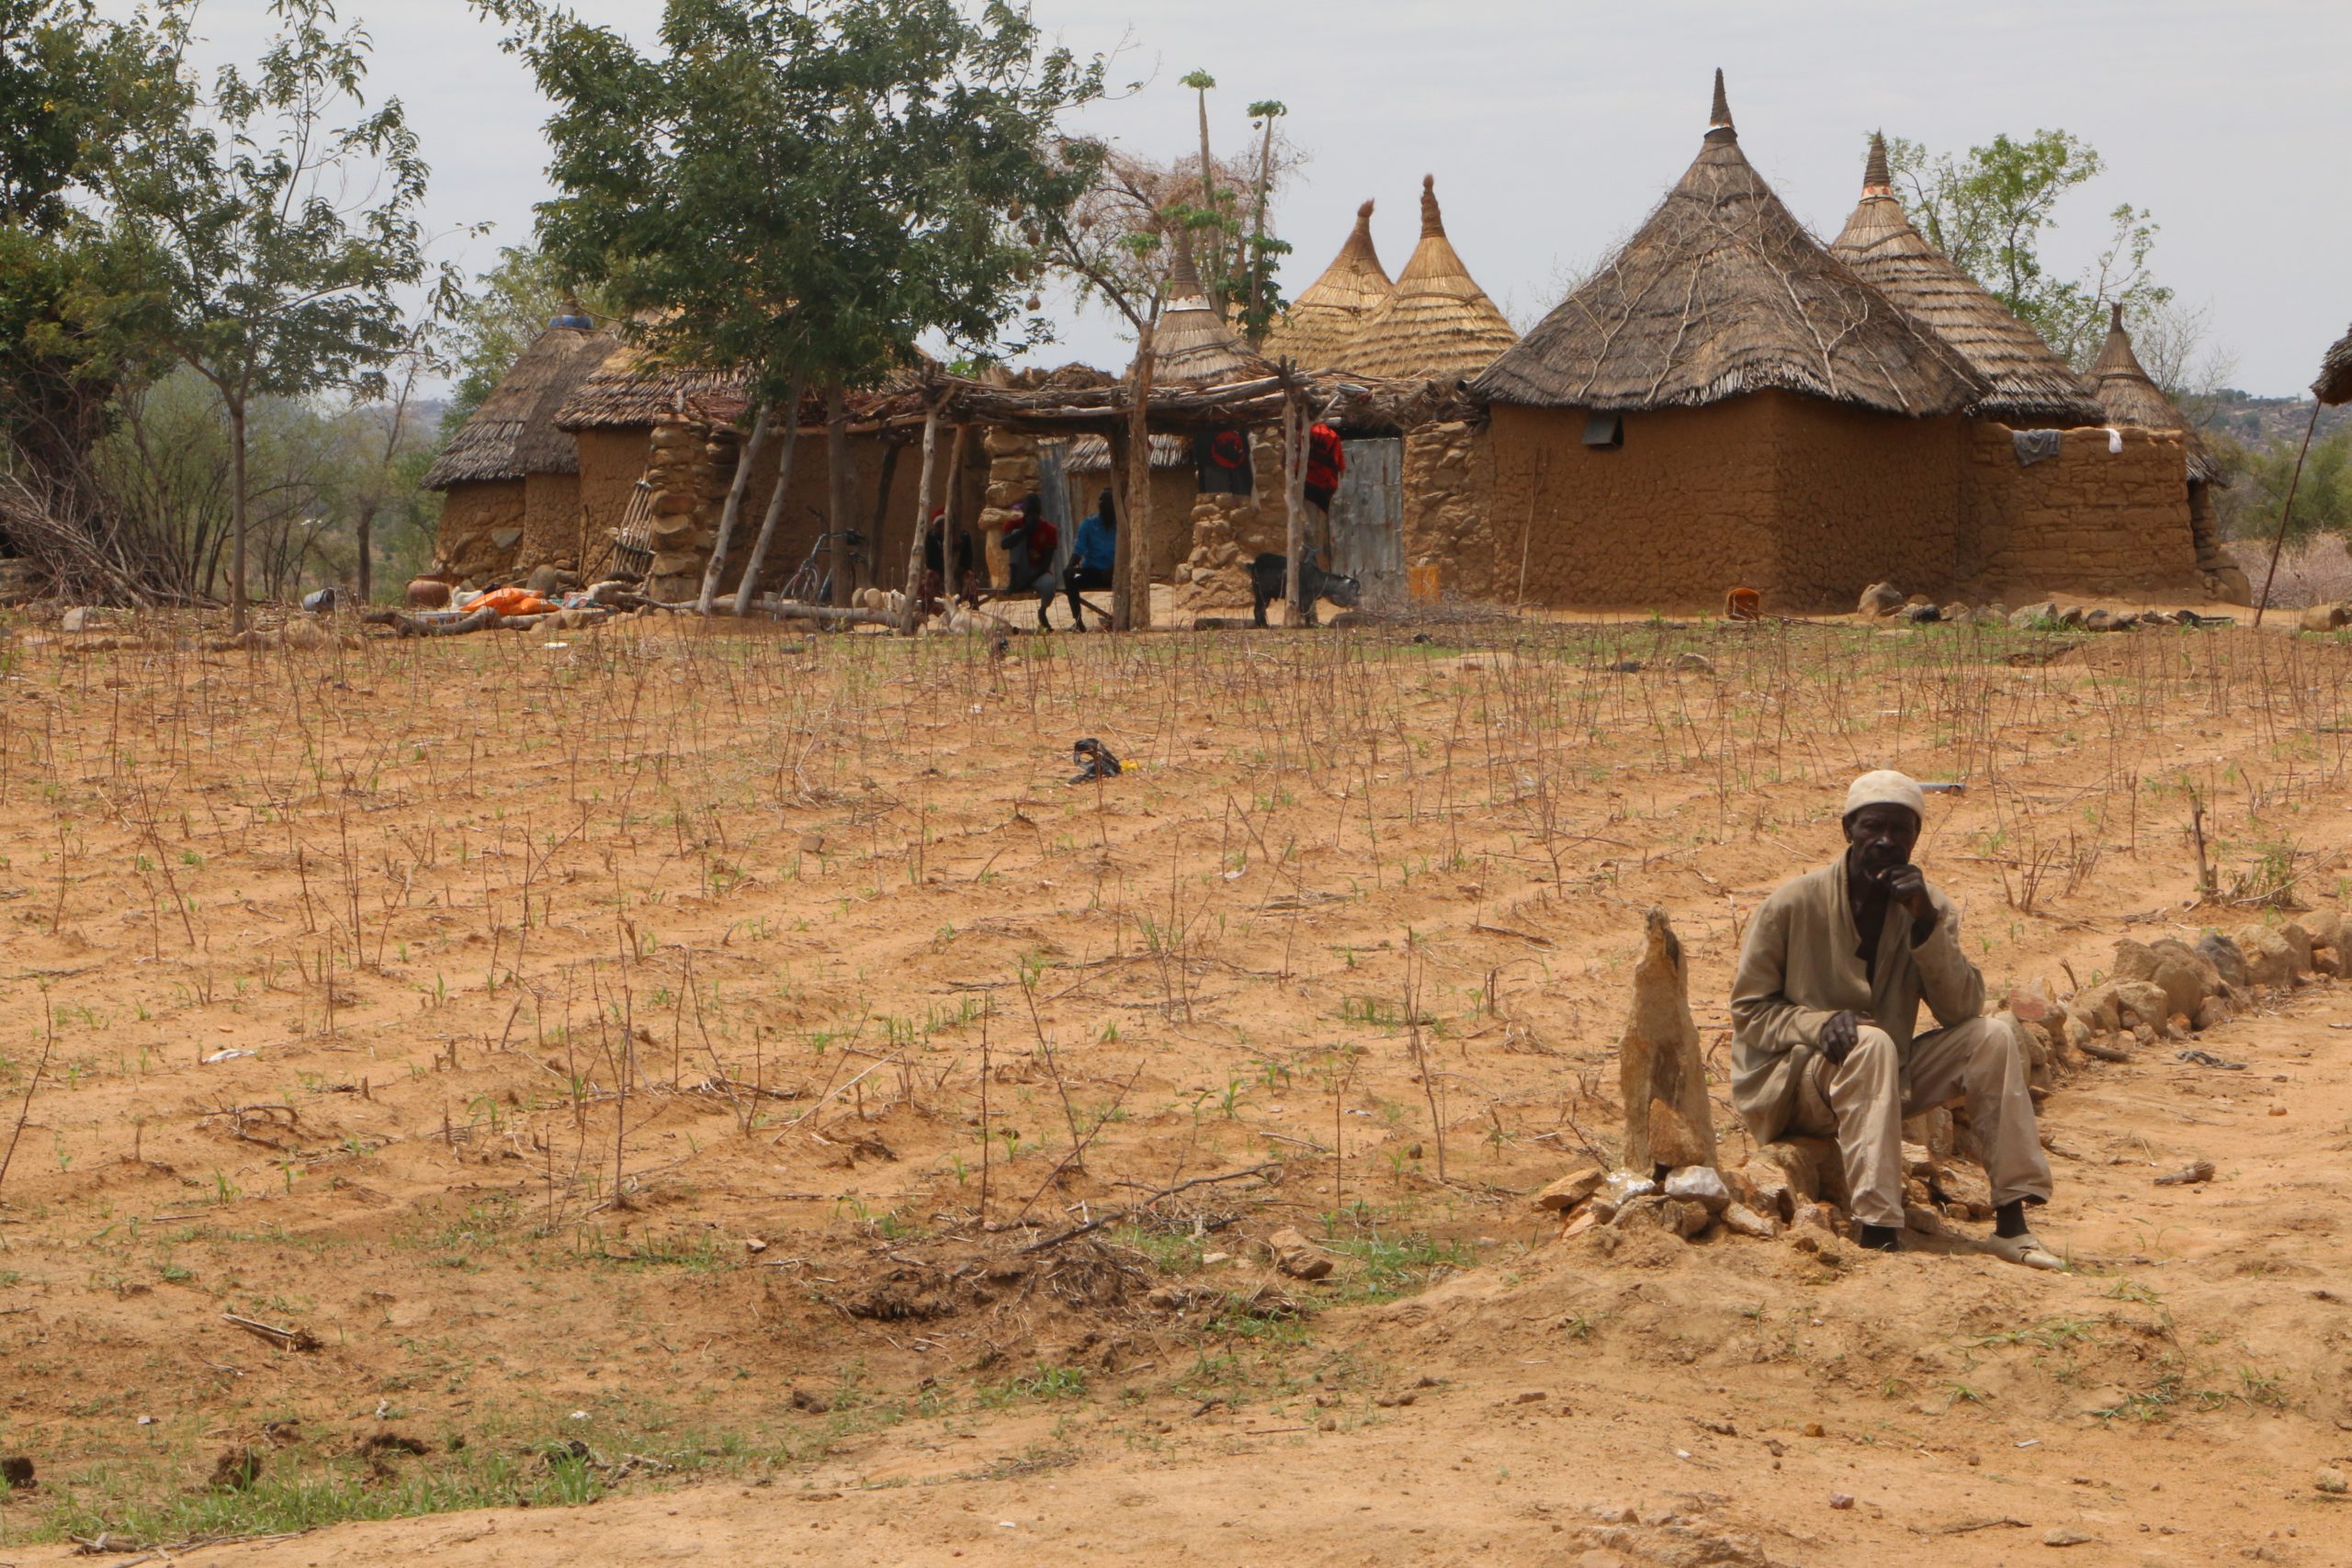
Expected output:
(1863, 1102)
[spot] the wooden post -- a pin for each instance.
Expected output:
(911, 616)
(2285, 513)
(1122, 543)
(1131, 591)
(837, 490)
(749, 586)
(1295, 502)
(744, 457)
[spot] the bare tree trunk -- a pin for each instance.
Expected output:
(364, 525)
(1258, 234)
(1294, 506)
(837, 485)
(750, 585)
(1122, 543)
(744, 458)
(912, 615)
(237, 502)
(1215, 279)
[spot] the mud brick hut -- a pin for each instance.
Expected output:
(2096, 507)
(658, 448)
(2131, 397)
(1437, 323)
(1723, 403)
(511, 477)
(1330, 313)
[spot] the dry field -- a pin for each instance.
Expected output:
(739, 1081)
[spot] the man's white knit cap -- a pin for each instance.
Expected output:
(1886, 788)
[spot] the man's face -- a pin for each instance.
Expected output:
(1882, 837)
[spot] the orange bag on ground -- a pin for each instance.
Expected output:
(512, 602)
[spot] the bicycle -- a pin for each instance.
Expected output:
(812, 582)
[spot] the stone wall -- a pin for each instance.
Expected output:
(1449, 497)
(2086, 521)
(1229, 530)
(480, 532)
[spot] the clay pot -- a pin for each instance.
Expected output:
(428, 594)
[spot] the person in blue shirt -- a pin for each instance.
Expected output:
(1091, 556)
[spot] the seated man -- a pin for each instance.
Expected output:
(1030, 540)
(1823, 1007)
(1091, 556)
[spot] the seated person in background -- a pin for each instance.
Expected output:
(1091, 556)
(1030, 540)
(945, 561)
(1824, 1010)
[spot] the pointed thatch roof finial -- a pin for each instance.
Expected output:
(1876, 180)
(1438, 324)
(1433, 223)
(1719, 126)
(1324, 319)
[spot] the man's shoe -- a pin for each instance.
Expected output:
(2024, 1250)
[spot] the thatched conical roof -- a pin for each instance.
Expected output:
(2334, 383)
(1721, 292)
(2130, 396)
(2030, 384)
(513, 433)
(1438, 324)
(1327, 315)
(1192, 346)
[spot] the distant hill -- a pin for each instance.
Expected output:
(2260, 421)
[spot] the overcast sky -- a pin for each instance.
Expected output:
(1553, 126)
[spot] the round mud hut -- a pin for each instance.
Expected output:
(1437, 324)
(1722, 404)
(510, 477)
(1326, 318)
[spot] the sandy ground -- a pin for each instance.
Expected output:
(700, 1049)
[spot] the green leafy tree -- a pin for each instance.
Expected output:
(2259, 478)
(803, 190)
(279, 241)
(1990, 211)
(66, 78)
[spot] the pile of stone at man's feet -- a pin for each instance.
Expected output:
(1885, 602)
(1670, 1179)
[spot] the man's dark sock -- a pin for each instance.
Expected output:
(2009, 1220)
(1881, 1238)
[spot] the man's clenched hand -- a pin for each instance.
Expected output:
(1838, 1036)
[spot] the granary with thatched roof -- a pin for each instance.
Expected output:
(1724, 403)
(1317, 328)
(1437, 323)
(2095, 507)
(2132, 398)
(510, 476)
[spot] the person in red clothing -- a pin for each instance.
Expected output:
(1030, 543)
(1325, 461)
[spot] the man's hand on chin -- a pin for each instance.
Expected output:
(1909, 888)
